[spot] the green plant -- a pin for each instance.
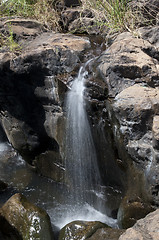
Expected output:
(16, 7)
(9, 41)
(41, 10)
(45, 12)
(116, 15)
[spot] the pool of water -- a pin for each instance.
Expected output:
(45, 193)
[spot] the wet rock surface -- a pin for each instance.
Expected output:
(80, 230)
(24, 220)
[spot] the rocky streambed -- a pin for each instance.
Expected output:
(122, 105)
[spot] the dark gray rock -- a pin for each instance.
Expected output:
(33, 86)
(151, 34)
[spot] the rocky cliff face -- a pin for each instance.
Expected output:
(129, 68)
(33, 89)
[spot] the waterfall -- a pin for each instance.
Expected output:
(84, 194)
(81, 163)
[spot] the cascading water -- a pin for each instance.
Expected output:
(82, 173)
(81, 163)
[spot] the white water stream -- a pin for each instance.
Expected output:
(82, 173)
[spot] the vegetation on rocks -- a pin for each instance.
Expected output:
(115, 15)
(42, 10)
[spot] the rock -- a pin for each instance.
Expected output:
(29, 221)
(33, 84)
(146, 228)
(134, 108)
(7, 231)
(22, 28)
(79, 20)
(151, 34)
(80, 230)
(128, 120)
(155, 132)
(126, 63)
(49, 165)
(84, 25)
(107, 234)
(131, 210)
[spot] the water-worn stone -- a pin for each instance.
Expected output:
(107, 234)
(51, 168)
(80, 230)
(28, 220)
(131, 210)
(144, 229)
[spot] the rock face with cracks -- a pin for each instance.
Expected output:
(33, 89)
(129, 67)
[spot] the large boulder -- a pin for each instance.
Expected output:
(80, 230)
(146, 228)
(27, 220)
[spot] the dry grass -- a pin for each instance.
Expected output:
(45, 12)
(41, 10)
(117, 15)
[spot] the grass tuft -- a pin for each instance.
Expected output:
(41, 10)
(116, 15)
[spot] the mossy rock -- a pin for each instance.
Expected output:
(107, 234)
(132, 209)
(80, 230)
(30, 221)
